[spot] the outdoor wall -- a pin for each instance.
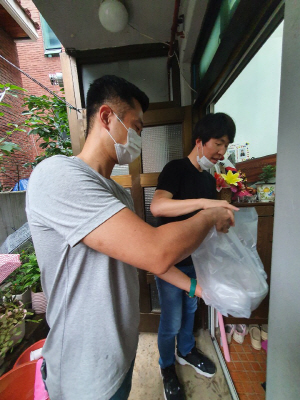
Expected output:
(9, 74)
(283, 363)
(28, 56)
(253, 99)
(33, 61)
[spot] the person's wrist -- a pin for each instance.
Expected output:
(198, 291)
(193, 286)
(210, 215)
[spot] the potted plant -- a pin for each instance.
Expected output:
(232, 185)
(33, 280)
(18, 283)
(266, 184)
(17, 286)
(12, 324)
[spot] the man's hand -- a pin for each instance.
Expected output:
(223, 218)
(207, 203)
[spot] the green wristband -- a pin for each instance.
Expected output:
(193, 287)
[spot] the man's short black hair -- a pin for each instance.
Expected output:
(116, 90)
(214, 126)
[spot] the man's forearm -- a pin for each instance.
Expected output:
(164, 207)
(167, 207)
(187, 235)
(128, 238)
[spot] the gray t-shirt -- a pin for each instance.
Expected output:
(93, 310)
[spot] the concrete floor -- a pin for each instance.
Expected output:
(147, 383)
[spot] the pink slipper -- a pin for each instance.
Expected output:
(239, 333)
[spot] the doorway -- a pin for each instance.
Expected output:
(166, 136)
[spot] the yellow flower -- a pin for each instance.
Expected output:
(231, 178)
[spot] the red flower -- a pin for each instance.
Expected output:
(230, 169)
(220, 182)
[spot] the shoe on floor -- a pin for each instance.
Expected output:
(255, 336)
(172, 387)
(196, 359)
(229, 330)
(264, 332)
(239, 333)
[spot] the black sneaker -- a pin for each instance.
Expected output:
(196, 359)
(172, 387)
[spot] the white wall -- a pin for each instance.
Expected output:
(283, 363)
(149, 74)
(253, 99)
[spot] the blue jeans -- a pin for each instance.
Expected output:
(176, 319)
(124, 389)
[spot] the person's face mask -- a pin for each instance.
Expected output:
(126, 153)
(204, 162)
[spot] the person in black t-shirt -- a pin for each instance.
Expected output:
(184, 187)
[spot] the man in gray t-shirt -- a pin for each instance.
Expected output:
(89, 243)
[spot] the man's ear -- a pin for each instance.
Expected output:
(198, 143)
(105, 114)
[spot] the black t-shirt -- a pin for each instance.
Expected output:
(184, 181)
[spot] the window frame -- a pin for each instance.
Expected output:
(49, 50)
(251, 25)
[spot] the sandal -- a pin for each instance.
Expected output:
(239, 333)
(264, 332)
(255, 336)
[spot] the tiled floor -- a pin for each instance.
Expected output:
(247, 369)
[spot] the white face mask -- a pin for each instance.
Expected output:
(204, 162)
(126, 153)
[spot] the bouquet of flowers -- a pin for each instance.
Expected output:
(235, 181)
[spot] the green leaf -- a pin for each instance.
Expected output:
(47, 118)
(13, 87)
(9, 146)
(5, 104)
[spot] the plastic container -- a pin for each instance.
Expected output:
(18, 383)
(25, 356)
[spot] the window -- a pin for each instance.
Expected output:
(252, 100)
(227, 10)
(52, 45)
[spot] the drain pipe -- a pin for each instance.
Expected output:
(173, 34)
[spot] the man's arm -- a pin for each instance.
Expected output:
(163, 205)
(128, 238)
(179, 279)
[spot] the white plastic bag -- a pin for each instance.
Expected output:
(229, 269)
(246, 221)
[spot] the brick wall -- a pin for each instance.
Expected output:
(9, 74)
(28, 56)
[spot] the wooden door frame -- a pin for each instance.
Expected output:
(149, 320)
